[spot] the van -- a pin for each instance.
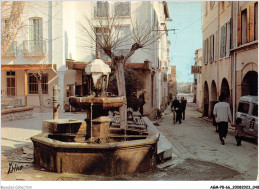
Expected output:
(248, 112)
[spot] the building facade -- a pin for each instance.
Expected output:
(226, 46)
(52, 42)
(244, 50)
(197, 85)
(173, 82)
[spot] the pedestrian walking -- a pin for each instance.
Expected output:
(176, 107)
(142, 102)
(178, 113)
(175, 103)
(223, 116)
(183, 106)
(239, 130)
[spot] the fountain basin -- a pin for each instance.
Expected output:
(110, 159)
(102, 102)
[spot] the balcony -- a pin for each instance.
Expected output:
(32, 48)
(12, 52)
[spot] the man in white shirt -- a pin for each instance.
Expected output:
(223, 116)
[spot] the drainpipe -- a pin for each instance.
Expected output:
(56, 105)
(50, 37)
(235, 87)
(231, 58)
(218, 51)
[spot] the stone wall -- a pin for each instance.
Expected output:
(16, 113)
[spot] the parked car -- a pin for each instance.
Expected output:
(248, 112)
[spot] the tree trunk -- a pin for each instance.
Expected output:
(120, 75)
(40, 94)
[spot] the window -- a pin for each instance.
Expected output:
(35, 29)
(123, 36)
(256, 21)
(247, 26)
(211, 48)
(10, 77)
(122, 8)
(101, 39)
(33, 85)
(35, 44)
(102, 9)
(244, 26)
(206, 50)
(223, 42)
(243, 107)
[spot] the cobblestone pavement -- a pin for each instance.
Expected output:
(198, 154)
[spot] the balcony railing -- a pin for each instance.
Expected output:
(34, 48)
(12, 51)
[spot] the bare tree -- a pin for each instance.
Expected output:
(39, 74)
(105, 32)
(11, 13)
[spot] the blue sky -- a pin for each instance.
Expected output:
(187, 19)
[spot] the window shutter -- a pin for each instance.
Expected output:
(215, 46)
(228, 39)
(211, 48)
(221, 42)
(224, 39)
(251, 23)
(40, 30)
(31, 29)
(248, 25)
(239, 29)
(206, 51)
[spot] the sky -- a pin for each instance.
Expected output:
(187, 20)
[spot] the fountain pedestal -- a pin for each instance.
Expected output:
(97, 109)
(100, 127)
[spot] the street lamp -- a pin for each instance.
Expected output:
(99, 72)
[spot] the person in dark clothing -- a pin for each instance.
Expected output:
(175, 103)
(183, 106)
(142, 102)
(177, 107)
(178, 113)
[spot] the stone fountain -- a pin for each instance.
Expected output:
(92, 146)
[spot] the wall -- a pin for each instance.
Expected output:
(215, 18)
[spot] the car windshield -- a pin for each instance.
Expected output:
(243, 107)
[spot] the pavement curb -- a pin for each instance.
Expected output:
(164, 147)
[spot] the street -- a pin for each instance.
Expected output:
(197, 152)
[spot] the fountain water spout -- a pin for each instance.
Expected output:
(56, 105)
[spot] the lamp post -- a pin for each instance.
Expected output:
(99, 72)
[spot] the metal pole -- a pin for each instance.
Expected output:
(56, 105)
